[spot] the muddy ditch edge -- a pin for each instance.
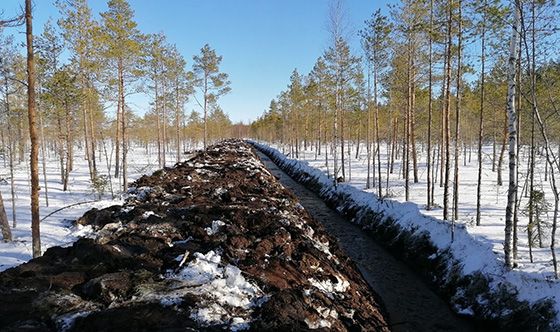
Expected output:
(492, 309)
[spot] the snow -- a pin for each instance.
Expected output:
(222, 286)
(66, 321)
(147, 214)
(329, 287)
(216, 225)
(477, 248)
(57, 230)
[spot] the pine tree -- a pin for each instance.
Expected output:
(375, 40)
(210, 81)
(122, 44)
(34, 156)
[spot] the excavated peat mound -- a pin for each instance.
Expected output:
(213, 243)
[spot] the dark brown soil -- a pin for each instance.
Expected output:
(221, 201)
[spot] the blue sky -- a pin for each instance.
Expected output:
(261, 41)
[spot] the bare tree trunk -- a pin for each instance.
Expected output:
(368, 130)
(481, 118)
(12, 184)
(376, 134)
(335, 137)
(446, 114)
(503, 150)
(123, 123)
(457, 115)
(86, 140)
(429, 197)
(443, 95)
(413, 118)
(158, 120)
(4, 225)
(393, 143)
(177, 122)
(92, 139)
(512, 130)
(69, 143)
(164, 124)
(205, 110)
(117, 135)
(406, 154)
(518, 124)
(44, 162)
(34, 156)
(342, 159)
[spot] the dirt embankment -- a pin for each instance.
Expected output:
(213, 243)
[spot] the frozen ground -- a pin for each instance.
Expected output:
(57, 229)
(479, 248)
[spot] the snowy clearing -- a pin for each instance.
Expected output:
(57, 230)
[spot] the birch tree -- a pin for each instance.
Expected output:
(512, 133)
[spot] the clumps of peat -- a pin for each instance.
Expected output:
(214, 243)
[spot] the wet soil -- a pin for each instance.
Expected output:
(411, 304)
(213, 243)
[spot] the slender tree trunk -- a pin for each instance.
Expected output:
(505, 134)
(413, 117)
(34, 156)
(177, 121)
(60, 146)
(443, 96)
(446, 114)
(158, 120)
(205, 110)
(457, 114)
(69, 143)
(429, 198)
(512, 130)
(481, 118)
(123, 123)
(335, 138)
(43, 158)
(376, 133)
(13, 184)
(518, 124)
(92, 139)
(4, 225)
(164, 123)
(11, 149)
(86, 140)
(118, 134)
(368, 130)
(342, 158)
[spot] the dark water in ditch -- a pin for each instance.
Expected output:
(411, 304)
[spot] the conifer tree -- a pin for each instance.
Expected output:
(209, 80)
(121, 45)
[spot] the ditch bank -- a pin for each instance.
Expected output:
(491, 302)
(213, 243)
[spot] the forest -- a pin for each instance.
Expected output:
(85, 71)
(438, 86)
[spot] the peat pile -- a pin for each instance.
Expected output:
(213, 243)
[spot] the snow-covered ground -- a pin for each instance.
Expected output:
(478, 248)
(57, 229)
